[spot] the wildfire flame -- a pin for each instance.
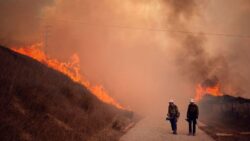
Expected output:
(207, 90)
(71, 69)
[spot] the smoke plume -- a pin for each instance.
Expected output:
(141, 51)
(201, 62)
(21, 20)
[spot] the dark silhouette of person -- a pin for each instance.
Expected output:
(173, 115)
(192, 116)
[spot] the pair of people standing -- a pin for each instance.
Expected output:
(192, 116)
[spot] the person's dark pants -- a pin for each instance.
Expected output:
(173, 124)
(192, 126)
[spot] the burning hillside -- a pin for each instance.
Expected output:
(71, 69)
(39, 103)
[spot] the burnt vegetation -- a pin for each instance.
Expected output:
(39, 103)
(226, 114)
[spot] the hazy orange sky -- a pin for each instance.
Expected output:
(143, 52)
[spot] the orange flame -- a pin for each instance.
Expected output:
(206, 90)
(71, 69)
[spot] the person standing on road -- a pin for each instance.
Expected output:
(173, 115)
(192, 116)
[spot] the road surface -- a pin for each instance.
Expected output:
(157, 129)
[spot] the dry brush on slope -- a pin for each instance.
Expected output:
(39, 103)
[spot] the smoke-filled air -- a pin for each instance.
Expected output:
(137, 54)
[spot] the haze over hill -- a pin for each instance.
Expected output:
(135, 54)
(141, 51)
(39, 103)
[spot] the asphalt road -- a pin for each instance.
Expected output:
(158, 129)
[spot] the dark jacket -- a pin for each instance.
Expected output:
(173, 111)
(193, 111)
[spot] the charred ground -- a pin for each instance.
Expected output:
(39, 103)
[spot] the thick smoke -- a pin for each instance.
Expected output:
(191, 56)
(226, 63)
(210, 82)
(20, 21)
(197, 64)
(181, 10)
(119, 48)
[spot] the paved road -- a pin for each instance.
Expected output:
(157, 129)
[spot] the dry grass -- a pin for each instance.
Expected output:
(39, 103)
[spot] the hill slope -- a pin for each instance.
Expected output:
(39, 103)
(226, 114)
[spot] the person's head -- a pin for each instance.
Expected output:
(192, 101)
(171, 102)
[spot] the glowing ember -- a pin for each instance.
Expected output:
(71, 69)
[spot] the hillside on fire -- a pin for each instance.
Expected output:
(39, 103)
